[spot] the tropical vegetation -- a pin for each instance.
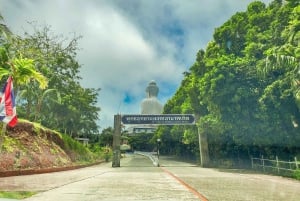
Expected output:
(244, 90)
(47, 88)
(47, 82)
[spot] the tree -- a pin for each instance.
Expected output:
(244, 88)
(106, 137)
(14, 64)
(5, 33)
(65, 106)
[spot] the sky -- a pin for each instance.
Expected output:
(127, 43)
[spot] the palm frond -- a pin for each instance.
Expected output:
(24, 71)
(4, 72)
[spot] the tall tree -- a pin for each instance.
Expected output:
(65, 106)
(12, 63)
(245, 86)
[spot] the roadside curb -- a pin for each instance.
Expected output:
(42, 171)
(150, 156)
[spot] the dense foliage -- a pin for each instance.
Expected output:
(61, 103)
(243, 89)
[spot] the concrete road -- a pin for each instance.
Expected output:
(138, 179)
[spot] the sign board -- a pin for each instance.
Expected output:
(161, 119)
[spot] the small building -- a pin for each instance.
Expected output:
(84, 141)
(141, 129)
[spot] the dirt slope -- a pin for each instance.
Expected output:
(30, 147)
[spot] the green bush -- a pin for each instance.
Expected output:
(296, 174)
(101, 152)
(82, 153)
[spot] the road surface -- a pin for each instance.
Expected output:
(138, 179)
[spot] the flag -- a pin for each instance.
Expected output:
(8, 113)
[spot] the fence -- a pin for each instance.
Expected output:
(275, 164)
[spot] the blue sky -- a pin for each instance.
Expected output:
(128, 43)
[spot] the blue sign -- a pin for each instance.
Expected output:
(161, 119)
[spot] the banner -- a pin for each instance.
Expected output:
(8, 113)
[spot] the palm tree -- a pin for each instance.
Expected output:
(23, 71)
(290, 65)
(41, 100)
(286, 58)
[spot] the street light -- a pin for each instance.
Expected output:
(158, 143)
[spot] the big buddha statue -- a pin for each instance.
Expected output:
(150, 104)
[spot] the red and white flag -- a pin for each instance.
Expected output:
(8, 113)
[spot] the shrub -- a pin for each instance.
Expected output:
(296, 174)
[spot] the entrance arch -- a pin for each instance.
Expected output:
(152, 119)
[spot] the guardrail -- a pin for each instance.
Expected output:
(150, 155)
(275, 164)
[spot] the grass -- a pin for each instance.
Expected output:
(16, 194)
(296, 174)
(240, 171)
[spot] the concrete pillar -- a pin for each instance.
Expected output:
(203, 144)
(116, 141)
(203, 147)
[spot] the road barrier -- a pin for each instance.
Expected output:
(150, 155)
(275, 164)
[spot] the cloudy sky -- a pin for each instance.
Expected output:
(128, 43)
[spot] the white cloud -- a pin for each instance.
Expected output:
(126, 44)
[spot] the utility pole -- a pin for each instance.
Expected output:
(116, 141)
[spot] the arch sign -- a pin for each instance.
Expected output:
(145, 119)
(163, 119)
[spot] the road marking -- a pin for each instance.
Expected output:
(191, 189)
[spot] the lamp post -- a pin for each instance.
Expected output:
(158, 143)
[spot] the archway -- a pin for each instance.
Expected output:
(161, 119)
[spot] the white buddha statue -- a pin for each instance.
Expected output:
(151, 105)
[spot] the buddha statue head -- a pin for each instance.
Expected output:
(152, 89)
